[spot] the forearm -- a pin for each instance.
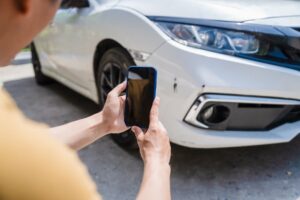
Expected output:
(156, 182)
(81, 133)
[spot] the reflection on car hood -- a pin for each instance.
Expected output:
(233, 10)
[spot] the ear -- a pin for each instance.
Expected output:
(23, 6)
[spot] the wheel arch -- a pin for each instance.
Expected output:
(102, 47)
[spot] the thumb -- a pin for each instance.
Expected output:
(139, 134)
(123, 98)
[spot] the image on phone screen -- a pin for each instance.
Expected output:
(141, 91)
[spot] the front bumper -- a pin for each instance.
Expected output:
(186, 73)
(241, 113)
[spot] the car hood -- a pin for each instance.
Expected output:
(233, 10)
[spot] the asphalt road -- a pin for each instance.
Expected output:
(260, 173)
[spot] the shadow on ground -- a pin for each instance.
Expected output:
(265, 172)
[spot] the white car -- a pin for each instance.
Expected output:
(228, 71)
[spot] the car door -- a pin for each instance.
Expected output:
(69, 44)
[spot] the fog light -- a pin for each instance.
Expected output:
(214, 114)
(208, 112)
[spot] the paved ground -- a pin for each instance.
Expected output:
(260, 173)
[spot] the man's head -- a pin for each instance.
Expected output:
(20, 22)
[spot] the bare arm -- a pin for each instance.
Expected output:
(81, 133)
(156, 182)
(154, 144)
(156, 152)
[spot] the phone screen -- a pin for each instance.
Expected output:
(141, 89)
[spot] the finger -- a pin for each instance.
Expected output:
(122, 104)
(162, 127)
(123, 98)
(119, 89)
(154, 112)
(139, 134)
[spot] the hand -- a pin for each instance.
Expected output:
(113, 110)
(154, 144)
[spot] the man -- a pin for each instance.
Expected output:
(35, 161)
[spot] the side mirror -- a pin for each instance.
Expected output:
(65, 4)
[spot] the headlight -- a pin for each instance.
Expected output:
(215, 39)
(276, 45)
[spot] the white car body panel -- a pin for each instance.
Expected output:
(224, 10)
(217, 77)
(66, 49)
(70, 59)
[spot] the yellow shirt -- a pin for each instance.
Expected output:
(35, 166)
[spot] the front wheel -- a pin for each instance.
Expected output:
(111, 71)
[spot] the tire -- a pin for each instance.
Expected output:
(40, 78)
(111, 71)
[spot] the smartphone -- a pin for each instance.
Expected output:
(140, 94)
